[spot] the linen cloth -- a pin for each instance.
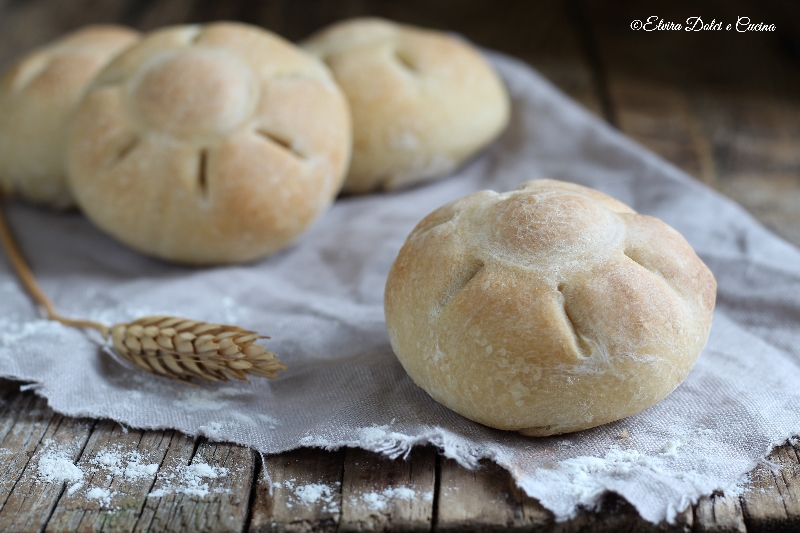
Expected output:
(321, 300)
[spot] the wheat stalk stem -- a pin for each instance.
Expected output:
(173, 347)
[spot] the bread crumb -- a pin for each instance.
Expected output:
(624, 434)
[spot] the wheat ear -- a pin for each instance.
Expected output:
(173, 347)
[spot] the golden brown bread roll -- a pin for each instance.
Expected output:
(38, 96)
(422, 101)
(210, 144)
(548, 309)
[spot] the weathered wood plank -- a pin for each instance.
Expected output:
(299, 491)
(485, 499)
(772, 500)
(719, 514)
(120, 468)
(730, 118)
(756, 146)
(204, 488)
(380, 494)
(661, 118)
(23, 422)
(46, 446)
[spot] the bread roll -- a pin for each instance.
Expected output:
(422, 101)
(38, 96)
(210, 144)
(548, 309)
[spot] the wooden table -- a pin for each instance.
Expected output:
(725, 107)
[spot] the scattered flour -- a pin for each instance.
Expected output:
(189, 480)
(209, 400)
(97, 493)
(74, 488)
(378, 501)
(128, 465)
(212, 430)
(582, 471)
(273, 423)
(13, 332)
(55, 466)
(671, 448)
(310, 493)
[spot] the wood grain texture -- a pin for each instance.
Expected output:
(121, 466)
(299, 491)
(201, 486)
(380, 494)
(485, 499)
(39, 442)
(719, 514)
(662, 119)
(772, 499)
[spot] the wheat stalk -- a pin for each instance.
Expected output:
(177, 348)
(182, 349)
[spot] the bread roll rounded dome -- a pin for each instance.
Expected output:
(210, 144)
(548, 309)
(422, 101)
(38, 96)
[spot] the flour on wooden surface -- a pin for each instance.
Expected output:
(129, 465)
(189, 480)
(311, 494)
(55, 466)
(103, 495)
(378, 501)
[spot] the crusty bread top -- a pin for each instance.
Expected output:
(422, 101)
(547, 309)
(210, 144)
(38, 95)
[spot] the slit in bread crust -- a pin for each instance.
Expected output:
(202, 172)
(124, 151)
(459, 283)
(582, 346)
(280, 141)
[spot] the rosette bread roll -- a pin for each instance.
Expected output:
(422, 101)
(38, 96)
(548, 309)
(210, 144)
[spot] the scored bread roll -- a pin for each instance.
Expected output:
(38, 96)
(209, 144)
(422, 101)
(548, 309)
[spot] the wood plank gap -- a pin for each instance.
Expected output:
(437, 486)
(576, 13)
(257, 470)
